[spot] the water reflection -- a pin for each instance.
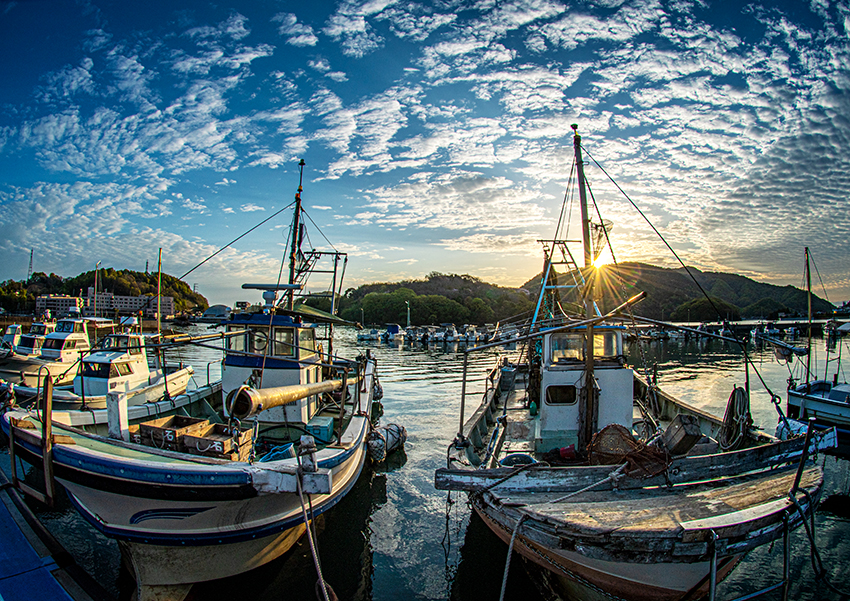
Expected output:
(393, 537)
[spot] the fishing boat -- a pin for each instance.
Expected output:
(11, 339)
(193, 499)
(119, 364)
(606, 486)
(61, 352)
(30, 345)
(827, 398)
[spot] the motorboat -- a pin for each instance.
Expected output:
(119, 364)
(30, 344)
(61, 353)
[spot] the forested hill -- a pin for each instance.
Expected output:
(20, 296)
(439, 298)
(673, 295)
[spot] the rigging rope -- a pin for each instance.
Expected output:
(747, 358)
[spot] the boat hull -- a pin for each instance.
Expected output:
(571, 575)
(167, 511)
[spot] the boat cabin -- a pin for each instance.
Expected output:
(71, 339)
(31, 342)
(275, 350)
(563, 380)
(11, 336)
(119, 365)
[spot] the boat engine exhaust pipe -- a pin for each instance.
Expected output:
(248, 401)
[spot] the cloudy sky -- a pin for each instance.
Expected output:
(436, 134)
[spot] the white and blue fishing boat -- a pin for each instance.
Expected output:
(825, 399)
(192, 499)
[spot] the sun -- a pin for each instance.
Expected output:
(604, 258)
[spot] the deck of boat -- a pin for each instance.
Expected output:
(667, 519)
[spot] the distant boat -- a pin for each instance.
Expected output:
(11, 338)
(826, 399)
(30, 345)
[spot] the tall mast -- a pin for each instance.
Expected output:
(590, 412)
(809, 295)
(296, 238)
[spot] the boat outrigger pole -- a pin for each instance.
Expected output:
(589, 411)
(296, 238)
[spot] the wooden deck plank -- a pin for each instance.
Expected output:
(663, 512)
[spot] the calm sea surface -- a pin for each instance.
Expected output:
(395, 537)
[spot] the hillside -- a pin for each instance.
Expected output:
(20, 296)
(669, 290)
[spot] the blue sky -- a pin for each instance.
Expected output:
(436, 134)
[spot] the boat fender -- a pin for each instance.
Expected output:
(307, 452)
(377, 390)
(385, 440)
(532, 409)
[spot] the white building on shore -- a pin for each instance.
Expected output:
(107, 304)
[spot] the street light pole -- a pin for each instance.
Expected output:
(96, 266)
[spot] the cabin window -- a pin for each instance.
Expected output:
(258, 340)
(124, 369)
(38, 330)
(567, 347)
(561, 395)
(99, 370)
(53, 343)
(307, 341)
(114, 343)
(570, 347)
(70, 344)
(236, 343)
(284, 342)
(65, 326)
(605, 345)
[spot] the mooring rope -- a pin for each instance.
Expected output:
(508, 560)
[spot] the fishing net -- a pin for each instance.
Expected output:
(615, 445)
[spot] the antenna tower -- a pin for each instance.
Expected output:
(29, 273)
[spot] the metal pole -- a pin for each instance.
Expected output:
(159, 296)
(786, 558)
(712, 583)
(463, 395)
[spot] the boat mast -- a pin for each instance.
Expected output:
(296, 239)
(588, 412)
(809, 295)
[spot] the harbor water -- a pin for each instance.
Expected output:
(395, 538)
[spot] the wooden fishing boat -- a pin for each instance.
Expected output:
(193, 499)
(611, 487)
